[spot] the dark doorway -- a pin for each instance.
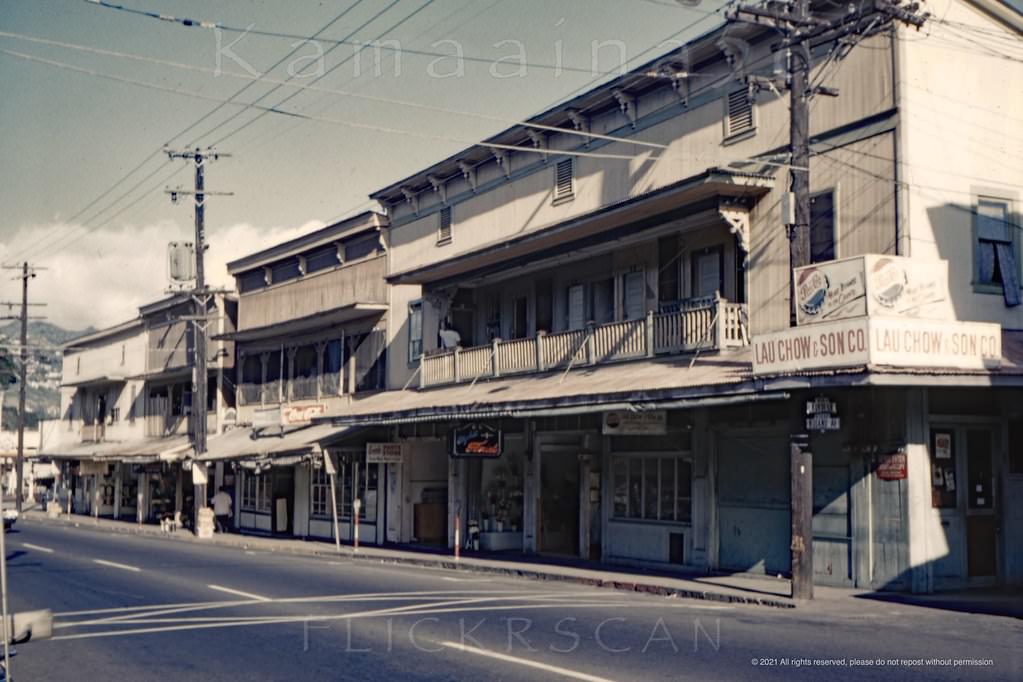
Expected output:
(981, 545)
(559, 502)
(282, 500)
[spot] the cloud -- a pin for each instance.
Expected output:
(102, 278)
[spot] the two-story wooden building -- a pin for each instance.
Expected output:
(311, 336)
(573, 302)
(126, 405)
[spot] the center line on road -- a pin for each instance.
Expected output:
(114, 564)
(247, 595)
(526, 662)
(37, 547)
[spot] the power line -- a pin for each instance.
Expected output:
(359, 45)
(208, 114)
(337, 92)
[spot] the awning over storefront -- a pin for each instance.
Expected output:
(678, 381)
(167, 449)
(270, 444)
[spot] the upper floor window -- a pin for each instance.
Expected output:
(668, 270)
(822, 226)
(995, 245)
(564, 180)
(739, 114)
(415, 330)
(322, 258)
(251, 280)
(444, 226)
(360, 248)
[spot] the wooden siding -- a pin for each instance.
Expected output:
(359, 282)
(170, 347)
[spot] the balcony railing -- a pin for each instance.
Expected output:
(699, 324)
(93, 433)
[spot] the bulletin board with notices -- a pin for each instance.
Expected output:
(943, 469)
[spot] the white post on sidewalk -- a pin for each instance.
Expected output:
(331, 467)
(3, 582)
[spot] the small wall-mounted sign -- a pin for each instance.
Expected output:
(822, 415)
(383, 453)
(892, 467)
(476, 440)
(266, 418)
(302, 414)
(622, 423)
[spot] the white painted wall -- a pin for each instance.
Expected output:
(960, 138)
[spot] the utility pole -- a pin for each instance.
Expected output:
(27, 272)
(200, 298)
(801, 31)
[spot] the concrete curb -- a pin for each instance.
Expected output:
(426, 561)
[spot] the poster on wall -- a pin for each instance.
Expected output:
(624, 423)
(943, 446)
(476, 440)
(892, 467)
(383, 453)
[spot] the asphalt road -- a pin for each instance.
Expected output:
(143, 608)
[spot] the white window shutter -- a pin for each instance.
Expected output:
(576, 307)
(634, 304)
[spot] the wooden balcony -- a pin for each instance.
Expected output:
(93, 433)
(701, 324)
(360, 282)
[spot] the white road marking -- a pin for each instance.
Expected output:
(468, 580)
(247, 595)
(565, 672)
(37, 547)
(114, 564)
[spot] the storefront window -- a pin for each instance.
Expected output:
(652, 488)
(319, 494)
(255, 493)
(356, 480)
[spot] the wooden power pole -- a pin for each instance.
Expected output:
(801, 30)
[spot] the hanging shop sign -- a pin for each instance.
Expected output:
(383, 453)
(822, 415)
(476, 440)
(872, 285)
(302, 414)
(91, 468)
(892, 467)
(623, 423)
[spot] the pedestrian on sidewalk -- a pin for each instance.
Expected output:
(222, 510)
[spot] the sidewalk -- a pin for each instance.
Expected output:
(729, 589)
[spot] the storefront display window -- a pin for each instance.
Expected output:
(652, 488)
(319, 494)
(255, 493)
(502, 493)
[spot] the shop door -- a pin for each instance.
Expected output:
(753, 491)
(559, 501)
(964, 489)
(282, 500)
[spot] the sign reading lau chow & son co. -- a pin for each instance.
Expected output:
(879, 341)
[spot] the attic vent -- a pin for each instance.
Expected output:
(444, 228)
(739, 117)
(564, 180)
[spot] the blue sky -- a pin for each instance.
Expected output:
(69, 136)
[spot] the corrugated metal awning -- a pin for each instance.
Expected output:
(256, 444)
